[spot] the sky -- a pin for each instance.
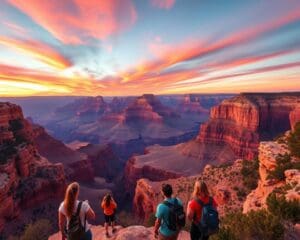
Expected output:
(131, 47)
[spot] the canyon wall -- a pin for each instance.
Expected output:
(26, 178)
(77, 165)
(243, 121)
(295, 117)
(268, 152)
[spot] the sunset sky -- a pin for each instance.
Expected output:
(130, 47)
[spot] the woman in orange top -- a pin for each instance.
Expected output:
(109, 207)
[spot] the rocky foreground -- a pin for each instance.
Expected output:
(129, 233)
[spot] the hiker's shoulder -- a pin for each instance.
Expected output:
(61, 207)
(178, 200)
(85, 205)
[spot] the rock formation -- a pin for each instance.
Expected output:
(128, 233)
(26, 178)
(294, 117)
(121, 120)
(223, 182)
(148, 108)
(104, 161)
(77, 165)
(268, 152)
(243, 121)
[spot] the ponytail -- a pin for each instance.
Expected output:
(70, 198)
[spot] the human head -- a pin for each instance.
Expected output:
(200, 189)
(167, 190)
(108, 199)
(70, 197)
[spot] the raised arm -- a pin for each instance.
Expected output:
(90, 214)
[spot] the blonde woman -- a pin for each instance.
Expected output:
(72, 215)
(201, 199)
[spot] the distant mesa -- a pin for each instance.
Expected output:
(122, 119)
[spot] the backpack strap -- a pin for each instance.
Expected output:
(210, 202)
(78, 209)
(168, 204)
(200, 202)
(171, 205)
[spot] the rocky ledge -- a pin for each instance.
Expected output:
(128, 233)
(268, 152)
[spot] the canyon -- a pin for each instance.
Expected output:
(27, 179)
(234, 130)
(131, 146)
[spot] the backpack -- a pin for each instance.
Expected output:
(209, 222)
(176, 218)
(75, 229)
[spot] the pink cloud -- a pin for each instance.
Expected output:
(75, 21)
(164, 4)
(37, 50)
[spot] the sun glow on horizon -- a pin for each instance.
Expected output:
(168, 47)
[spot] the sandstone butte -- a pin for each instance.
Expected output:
(234, 131)
(26, 178)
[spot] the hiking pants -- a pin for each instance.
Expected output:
(196, 234)
(88, 235)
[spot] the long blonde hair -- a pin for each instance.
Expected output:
(200, 189)
(70, 198)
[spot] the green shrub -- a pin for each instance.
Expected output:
(283, 162)
(294, 141)
(151, 220)
(288, 210)
(253, 225)
(15, 125)
(40, 230)
(250, 174)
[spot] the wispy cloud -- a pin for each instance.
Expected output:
(164, 4)
(75, 21)
(39, 51)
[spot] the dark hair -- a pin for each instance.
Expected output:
(107, 200)
(167, 190)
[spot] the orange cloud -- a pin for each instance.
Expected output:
(37, 50)
(75, 21)
(169, 55)
(164, 4)
(43, 83)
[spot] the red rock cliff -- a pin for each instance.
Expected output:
(26, 179)
(243, 121)
(77, 165)
(295, 117)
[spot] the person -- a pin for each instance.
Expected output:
(194, 209)
(109, 207)
(68, 210)
(162, 228)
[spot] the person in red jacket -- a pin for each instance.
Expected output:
(194, 209)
